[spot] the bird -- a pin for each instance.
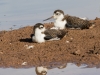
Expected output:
(42, 34)
(66, 21)
(40, 70)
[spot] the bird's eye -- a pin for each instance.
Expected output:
(41, 27)
(57, 14)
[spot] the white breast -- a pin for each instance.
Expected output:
(60, 24)
(39, 37)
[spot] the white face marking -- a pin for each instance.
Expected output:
(58, 16)
(41, 25)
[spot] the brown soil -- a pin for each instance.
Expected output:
(79, 46)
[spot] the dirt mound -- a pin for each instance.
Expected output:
(79, 46)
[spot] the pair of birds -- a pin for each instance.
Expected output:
(41, 34)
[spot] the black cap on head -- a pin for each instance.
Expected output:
(38, 25)
(59, 11)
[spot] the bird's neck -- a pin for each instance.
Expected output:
(60, 18)
(37, 32)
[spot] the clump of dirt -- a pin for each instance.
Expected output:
(79, 46)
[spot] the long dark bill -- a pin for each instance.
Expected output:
(48, 18)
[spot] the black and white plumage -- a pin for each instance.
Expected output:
(41, 34)
(66, 21)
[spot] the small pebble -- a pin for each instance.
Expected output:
(71, 38)
(67, 41)
(29, 47)
(24, 63)
(1, 52)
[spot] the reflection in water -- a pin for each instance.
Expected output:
(64, 69)
(29, 12)
(42, 70)
(92, 66)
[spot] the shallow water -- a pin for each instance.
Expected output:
(71, 69)
(21, 13)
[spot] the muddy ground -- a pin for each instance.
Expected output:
(79, 47)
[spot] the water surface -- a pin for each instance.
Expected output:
(28, 12)
(71, 69)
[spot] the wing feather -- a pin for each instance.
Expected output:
(55, 33)
(76, 22)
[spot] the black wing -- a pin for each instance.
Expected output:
(48, 37)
